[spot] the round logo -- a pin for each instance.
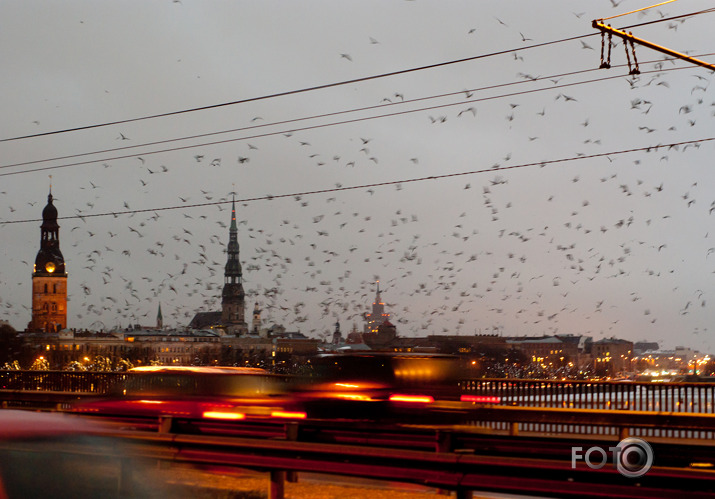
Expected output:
(635, 457)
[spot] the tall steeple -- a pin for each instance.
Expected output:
(233, 297)
(49, 278)
(159, 318)
(378, 315)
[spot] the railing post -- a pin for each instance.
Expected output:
(165, 424)
(443, 443)
(464, 494)
(277, 488)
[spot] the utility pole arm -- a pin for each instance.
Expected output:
(629, 36)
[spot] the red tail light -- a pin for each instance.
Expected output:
(287, 414)
(223, 415)
(481, 399)
(412, 399)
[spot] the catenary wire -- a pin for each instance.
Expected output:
(637, 10)
(526, 79)
(298, 91)
(270, 197)
(335, 84)
(319, 126)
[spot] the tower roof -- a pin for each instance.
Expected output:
(49, 214)
(233, 265)
(49, 259)
(377, 294)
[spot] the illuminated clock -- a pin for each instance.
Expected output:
(50, 267)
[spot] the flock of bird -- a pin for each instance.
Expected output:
(613, 244)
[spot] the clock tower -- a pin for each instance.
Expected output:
(49, 278)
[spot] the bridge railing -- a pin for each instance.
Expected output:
(689, 397)
(99, 383)
(692, 397)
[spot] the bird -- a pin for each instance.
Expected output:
(346, 56)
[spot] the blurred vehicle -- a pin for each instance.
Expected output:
(225, 393)
(61, 456)
(405, 387)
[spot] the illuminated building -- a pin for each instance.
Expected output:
(378, 315)
(49, 278)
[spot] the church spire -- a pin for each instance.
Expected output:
(233, 273)
(159, 319)
(232, 297)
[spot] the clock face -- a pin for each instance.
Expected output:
(50, 267)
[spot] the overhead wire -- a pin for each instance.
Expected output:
(637, 10)
(330, 85)
(297, 91)
(311, 127)
(665, 19)
(294, 120)
(270, 197)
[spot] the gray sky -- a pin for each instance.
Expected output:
(614, 245)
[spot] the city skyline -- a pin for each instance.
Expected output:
(523, 190)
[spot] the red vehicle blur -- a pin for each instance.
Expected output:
(393, 387)
(224, 393)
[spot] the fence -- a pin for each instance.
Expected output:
(692, 397)
(99, 383)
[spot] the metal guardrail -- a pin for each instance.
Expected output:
(458, 471)
(452, 458)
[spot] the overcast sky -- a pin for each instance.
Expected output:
(508, 201)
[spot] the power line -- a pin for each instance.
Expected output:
(293, 130)
(283, 122)
(298, 91)
(271, 197)
(331, 85)
(665, 19)
(637, 10)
